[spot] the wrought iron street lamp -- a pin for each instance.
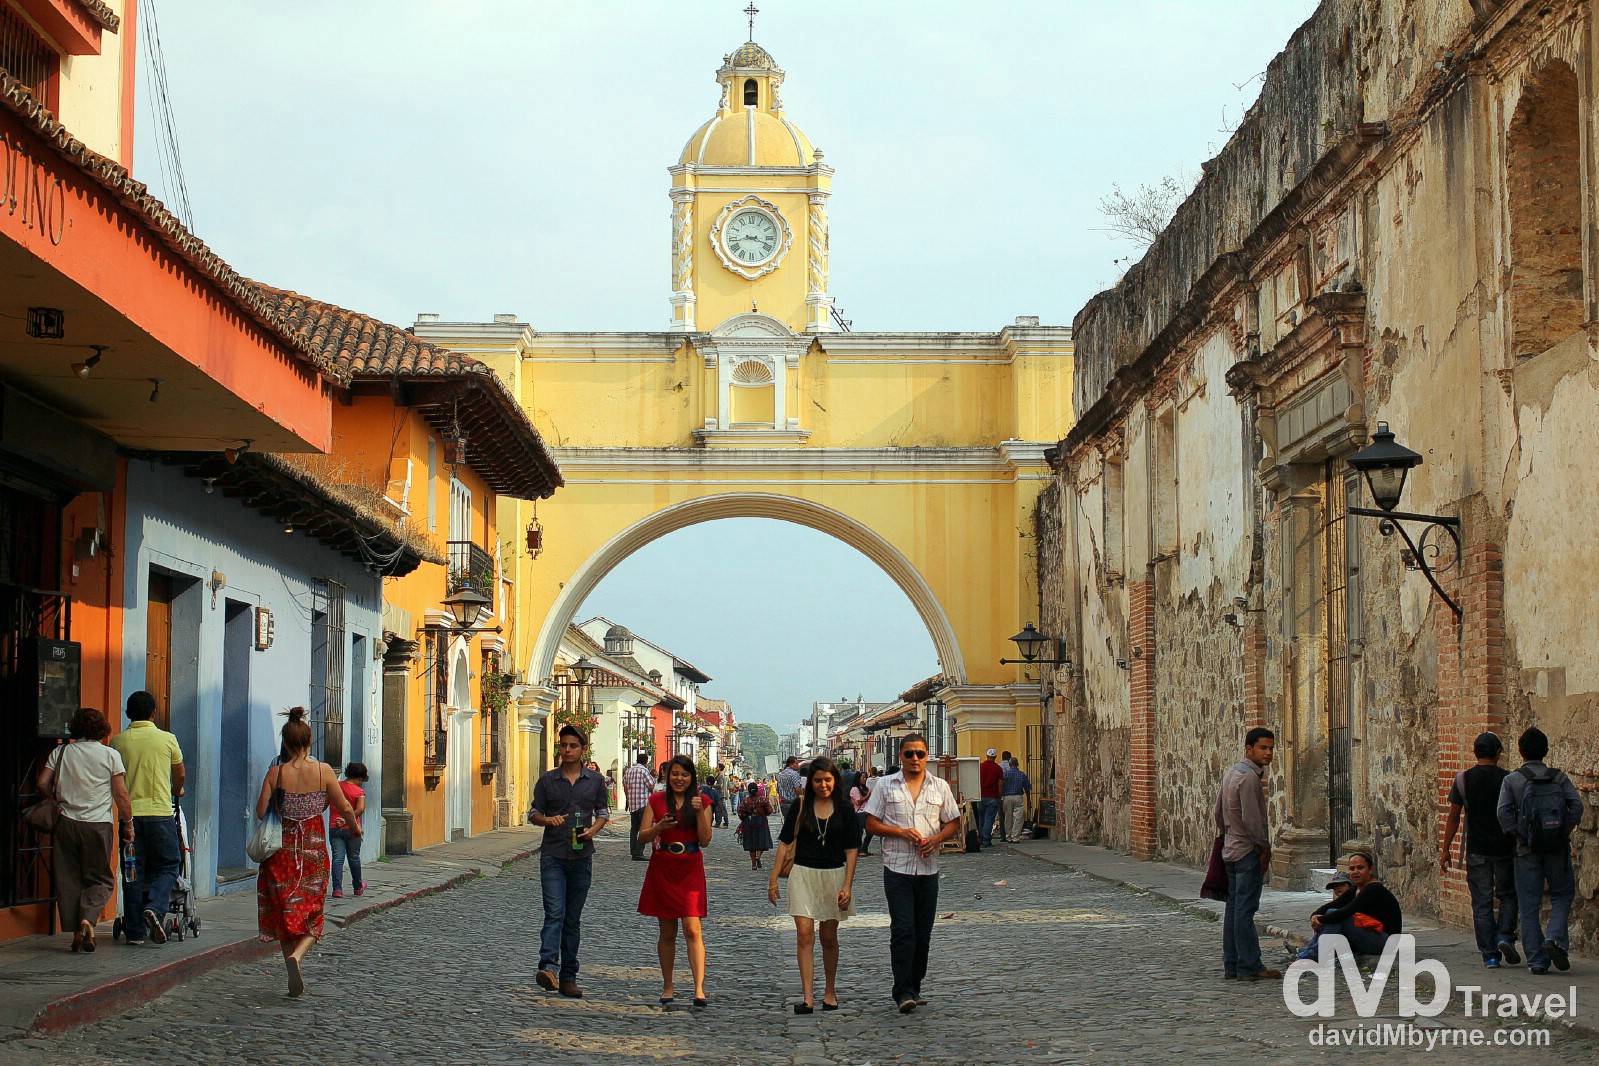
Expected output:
(583, 670)
(1385, 466)
(467, 605)
(1033, 644)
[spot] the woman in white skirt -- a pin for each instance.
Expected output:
(824, 838)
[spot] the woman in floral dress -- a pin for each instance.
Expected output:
(292, 885)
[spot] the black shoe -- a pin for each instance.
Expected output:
(701, 1001)
(829, 1006)
(907, 1005)
(1507, 953)
(1557, 955)
(1537, 971)
(804, 1008)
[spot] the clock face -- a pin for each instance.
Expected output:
(752, 236)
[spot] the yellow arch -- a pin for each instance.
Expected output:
(749, 505)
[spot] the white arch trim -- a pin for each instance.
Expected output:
(749, 505)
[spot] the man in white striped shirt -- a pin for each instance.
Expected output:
(913, 813)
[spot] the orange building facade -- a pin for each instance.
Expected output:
(435, 439)
(120, 332)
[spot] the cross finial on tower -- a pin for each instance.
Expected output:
(752, 11)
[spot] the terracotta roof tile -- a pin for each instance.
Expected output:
(102, 14)
(502, 443)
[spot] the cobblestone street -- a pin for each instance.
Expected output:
(1048, 966)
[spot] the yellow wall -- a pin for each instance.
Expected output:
(372, 440)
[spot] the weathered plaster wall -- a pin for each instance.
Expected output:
(1389, 174)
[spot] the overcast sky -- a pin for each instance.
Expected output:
(475, 157)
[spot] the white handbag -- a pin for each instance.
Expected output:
(267, 838)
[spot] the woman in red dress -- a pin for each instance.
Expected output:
(292, 885)
(679, 822)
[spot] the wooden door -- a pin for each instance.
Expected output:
(158, 650)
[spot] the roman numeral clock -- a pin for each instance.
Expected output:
(751, 237)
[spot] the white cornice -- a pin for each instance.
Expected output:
(718, 171)
(1024, 452)
(557, 347)
(923, 460)
(753, 435)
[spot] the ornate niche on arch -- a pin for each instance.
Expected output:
(752, 355)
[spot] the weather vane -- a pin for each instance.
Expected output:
(752, 11)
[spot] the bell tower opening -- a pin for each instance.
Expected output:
(752, 93)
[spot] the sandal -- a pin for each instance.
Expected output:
(296, 978)
(804, 1008)
(86, 932)
(829, 1006)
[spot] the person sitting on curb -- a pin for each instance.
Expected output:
(1369, 917)
(1343, 891)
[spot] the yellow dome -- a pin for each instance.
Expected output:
(725, 141)
(749, 129)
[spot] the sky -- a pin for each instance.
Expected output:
(477, 157)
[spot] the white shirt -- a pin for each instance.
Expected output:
(892, 804)
(84, 770)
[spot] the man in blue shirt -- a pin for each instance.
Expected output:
(572, 804)
(1016, 795)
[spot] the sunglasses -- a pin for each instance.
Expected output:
(913, 755)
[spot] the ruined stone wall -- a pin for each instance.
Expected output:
(1091, 734)
(1339, 69)
(1439, 265)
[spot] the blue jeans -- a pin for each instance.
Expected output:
(866, 838)
(344, 847)
(1240, 944)
(1492, 878)
(987, 811)
(912, 906)
(1534, 873)
(565, 886)
(155, 846)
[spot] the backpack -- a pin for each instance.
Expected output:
(1541, 822)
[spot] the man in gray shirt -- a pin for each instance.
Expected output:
(1534, 794)
(1246, 851)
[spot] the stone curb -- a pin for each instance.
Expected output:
(125, 993)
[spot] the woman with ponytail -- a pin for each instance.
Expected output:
(293, 884)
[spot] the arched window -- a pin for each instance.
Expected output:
(1545, 186)
(752, 93)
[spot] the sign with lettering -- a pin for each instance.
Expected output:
(30, 191)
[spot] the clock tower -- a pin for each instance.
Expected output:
(749, 210)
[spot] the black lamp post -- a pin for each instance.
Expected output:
(467, 605)
(1033, 645)
(1385, 466)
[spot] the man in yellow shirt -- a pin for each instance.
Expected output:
(154, 775)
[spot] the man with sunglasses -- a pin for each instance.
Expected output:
(572, 803)
(912, 813)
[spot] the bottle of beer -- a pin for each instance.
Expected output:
(577, 835)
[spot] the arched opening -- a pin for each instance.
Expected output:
(885, 556)
(770, 616)
(1545, 186)
(752, 93)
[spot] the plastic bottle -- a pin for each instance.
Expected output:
(130, 866)
(577, 836)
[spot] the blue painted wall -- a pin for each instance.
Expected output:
(174, 525)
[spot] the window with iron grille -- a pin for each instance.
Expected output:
(327, 671)
(436, 663)
(25, 55)
(495, 695)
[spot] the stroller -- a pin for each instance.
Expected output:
(181, 919)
